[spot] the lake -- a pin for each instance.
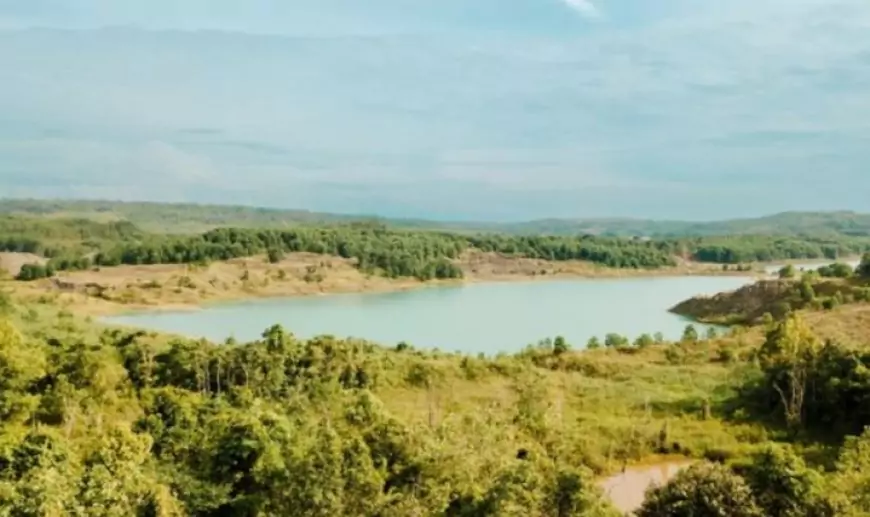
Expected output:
(472, 318)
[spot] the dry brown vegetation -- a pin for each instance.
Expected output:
(110, 289)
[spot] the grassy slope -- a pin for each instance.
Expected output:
(603, 407)
(750, 303)
(189, 218)
(600, 409)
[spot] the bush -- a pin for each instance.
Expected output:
(560, 346)
(614, 340)
(593, 343)
(701, 490)
(690, 334)
(784, 486)
(788, 271)
(644, 341)
(863, 269)
(836, 270)
(30, 272)
(275, 255)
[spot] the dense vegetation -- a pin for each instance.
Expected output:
(747, 248)
(53, 237)
(75, 244)
(191, 218)
(119, 423)
(824, 289)
(374, 248)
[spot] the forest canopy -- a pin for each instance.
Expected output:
(73, 244)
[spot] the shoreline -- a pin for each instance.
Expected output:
(184, 288)
(98, 308)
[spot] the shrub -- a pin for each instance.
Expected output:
(703, 489)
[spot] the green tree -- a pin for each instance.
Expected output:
(708, 490)
(788, 271)
(613, 340)
(21, 367)
(275, 255)
(690, 334)
(644, 341)
(560, 346)
(593, 343)
(863, 269)
(788, 358)
(850, 484)
(784, 486)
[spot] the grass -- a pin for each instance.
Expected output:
(608, 407)
(603, 409)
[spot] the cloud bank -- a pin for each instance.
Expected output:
(673, 110)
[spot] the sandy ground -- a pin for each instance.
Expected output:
(11, 262)
(117, 289)
(627, 489)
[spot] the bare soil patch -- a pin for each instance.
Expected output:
(11, 262)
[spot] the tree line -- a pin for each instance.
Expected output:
(80, 244)
(758, 248)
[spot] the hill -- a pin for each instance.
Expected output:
(195, 218)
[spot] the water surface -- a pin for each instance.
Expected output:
(489, 318)
(627, 490)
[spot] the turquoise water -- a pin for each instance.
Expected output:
(489, 318)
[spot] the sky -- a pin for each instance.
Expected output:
(486, 110)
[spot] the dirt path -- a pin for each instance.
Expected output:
(626, 490)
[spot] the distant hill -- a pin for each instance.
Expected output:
(787, 223)
(191, 218)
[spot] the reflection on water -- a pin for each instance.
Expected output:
(626, 490)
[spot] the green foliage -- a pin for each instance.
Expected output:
(593, 344)
(788, 271)
(863, 269)
(737, 249)
(704, 489)
(275, 255)
(614, 340)
(644, 340)
(836, 270)
(784, 486)
(6, 303)
(788, 357)
(126, 425)
(187, 218)
(30, 272)
(612, 252)
(560, 346)
(690, 334)
(850, 485)
(819, 387)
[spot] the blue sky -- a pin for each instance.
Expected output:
(449, 109)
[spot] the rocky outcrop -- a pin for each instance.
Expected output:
(745, 305)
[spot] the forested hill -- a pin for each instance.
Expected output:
(193, 218)
(77, 244)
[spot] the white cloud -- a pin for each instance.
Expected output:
(688, 100)
(584, 7)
